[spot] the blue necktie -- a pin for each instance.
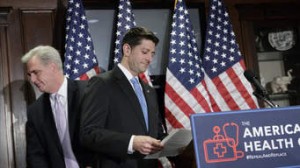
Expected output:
(139, 93)
(63, 132)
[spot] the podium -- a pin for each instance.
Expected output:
(260, 138)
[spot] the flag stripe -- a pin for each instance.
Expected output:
(171, 120)
(146, 77)
(201, 97)
(178, 101)
(239, 89)
(214, 105)
(179, 115)
(178, 92)
(250, 98)
(216, 99)
(225, 94)
(94, 71)
(236, 76)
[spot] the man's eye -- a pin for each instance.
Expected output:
(35, 72)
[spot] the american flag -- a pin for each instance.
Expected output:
(80, 59)
(224, 65)
(125, 22)
(185, 89)
(214, 83)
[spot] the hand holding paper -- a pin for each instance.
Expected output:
(174, 143)
(146, 145)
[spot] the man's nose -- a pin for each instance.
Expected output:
(149, 57)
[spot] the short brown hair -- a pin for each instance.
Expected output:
(136, 34)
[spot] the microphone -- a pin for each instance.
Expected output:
(250, 76)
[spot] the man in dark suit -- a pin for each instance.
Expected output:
(53, 119)
(113, 122)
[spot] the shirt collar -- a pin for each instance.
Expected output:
(126, 72)
(63, 89)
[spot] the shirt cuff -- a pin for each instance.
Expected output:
(130, 146)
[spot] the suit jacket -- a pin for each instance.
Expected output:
(111, 114)
(43, 145)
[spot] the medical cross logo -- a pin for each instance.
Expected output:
(222, 148)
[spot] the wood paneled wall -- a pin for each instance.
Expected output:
(6, 143)
(23, 25)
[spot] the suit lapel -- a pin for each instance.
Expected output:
(72, 106)
(50, 126)
(128, 90)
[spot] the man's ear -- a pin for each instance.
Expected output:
(53, 66)
(126, 49)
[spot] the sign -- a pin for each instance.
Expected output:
(261, 138)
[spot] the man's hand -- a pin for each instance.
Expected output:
(146, 145)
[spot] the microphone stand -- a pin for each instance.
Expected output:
(264, 96)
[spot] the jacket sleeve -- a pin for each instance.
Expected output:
(35, 156)
(94, 111)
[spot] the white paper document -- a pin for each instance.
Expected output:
(174, 143)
